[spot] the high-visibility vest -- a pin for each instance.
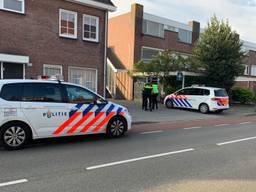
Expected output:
(155, 89)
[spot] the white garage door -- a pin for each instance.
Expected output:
(84, 76)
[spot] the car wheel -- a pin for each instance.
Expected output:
(117, 127)
(204, 108)
(14, 136)
(169, 104)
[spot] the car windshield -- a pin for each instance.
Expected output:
(220, 93)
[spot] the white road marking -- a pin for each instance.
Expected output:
(193, 128)
(138, 159)
(221, 125)
(151, 132)
(13, 182)
(244, 123)
(236, 141)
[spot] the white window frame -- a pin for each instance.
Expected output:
(75, 28)
(52, 66)
(84, 68)
(146, 31)
(97, 28)
(11, 10)
(246, 70)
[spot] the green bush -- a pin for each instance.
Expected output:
(242, 95)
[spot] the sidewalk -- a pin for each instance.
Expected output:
(172, 115)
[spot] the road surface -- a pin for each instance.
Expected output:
(189, 156)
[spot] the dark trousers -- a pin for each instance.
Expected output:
(154, 101)
(147, 102)
(144, 102)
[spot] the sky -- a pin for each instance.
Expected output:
(241, 14)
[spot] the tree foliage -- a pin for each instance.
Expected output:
(165, 62)
(219, 50)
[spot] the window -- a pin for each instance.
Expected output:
(52, 70)
(149, 53)
(185, 36)
(68, 24)
(17, 6)
(91, 28)
(220, 93)
(185, 92)
(246, 70)
(11, 92)
(253, 70)
(41, 92)
(194, 91)
(201, 92)
(153, 28)
(84, 77)
(79, 95)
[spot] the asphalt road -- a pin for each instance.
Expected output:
(218, 157)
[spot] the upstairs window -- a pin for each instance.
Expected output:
(185, 36)
(90, 28)
(68, 24)
(153, 28)
(17, 6)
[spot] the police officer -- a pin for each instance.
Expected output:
(155, 93)
(147, 97)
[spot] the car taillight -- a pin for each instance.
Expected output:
(221, 101)
(215, 99)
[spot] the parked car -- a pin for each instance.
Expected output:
(204, 99)
(33, 109)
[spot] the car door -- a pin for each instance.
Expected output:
(190, 97)
(42, 105)
(178, 99)
(86, 110)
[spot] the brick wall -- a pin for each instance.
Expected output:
(36, 34)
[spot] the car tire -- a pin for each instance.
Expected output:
(169, 104)
(14, 136)
(204, 108)
(116, 127)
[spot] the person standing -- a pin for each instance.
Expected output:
(147, 97)
(155, 93)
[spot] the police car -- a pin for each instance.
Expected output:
(33, 109)
(204, 99)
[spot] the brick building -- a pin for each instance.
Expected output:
(138, 35)
(49, 37)
(248, 80)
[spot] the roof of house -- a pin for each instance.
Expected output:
(109, 2)
(101, 4)
(115, 60)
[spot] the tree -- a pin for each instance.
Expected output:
(165, 62)
(219, 50)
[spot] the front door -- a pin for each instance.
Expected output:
(42, 105)
(13, 71)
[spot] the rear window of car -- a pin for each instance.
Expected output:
(11, 92)
(220, 93)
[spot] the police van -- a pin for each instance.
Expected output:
(204, 99)
(34, 109)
